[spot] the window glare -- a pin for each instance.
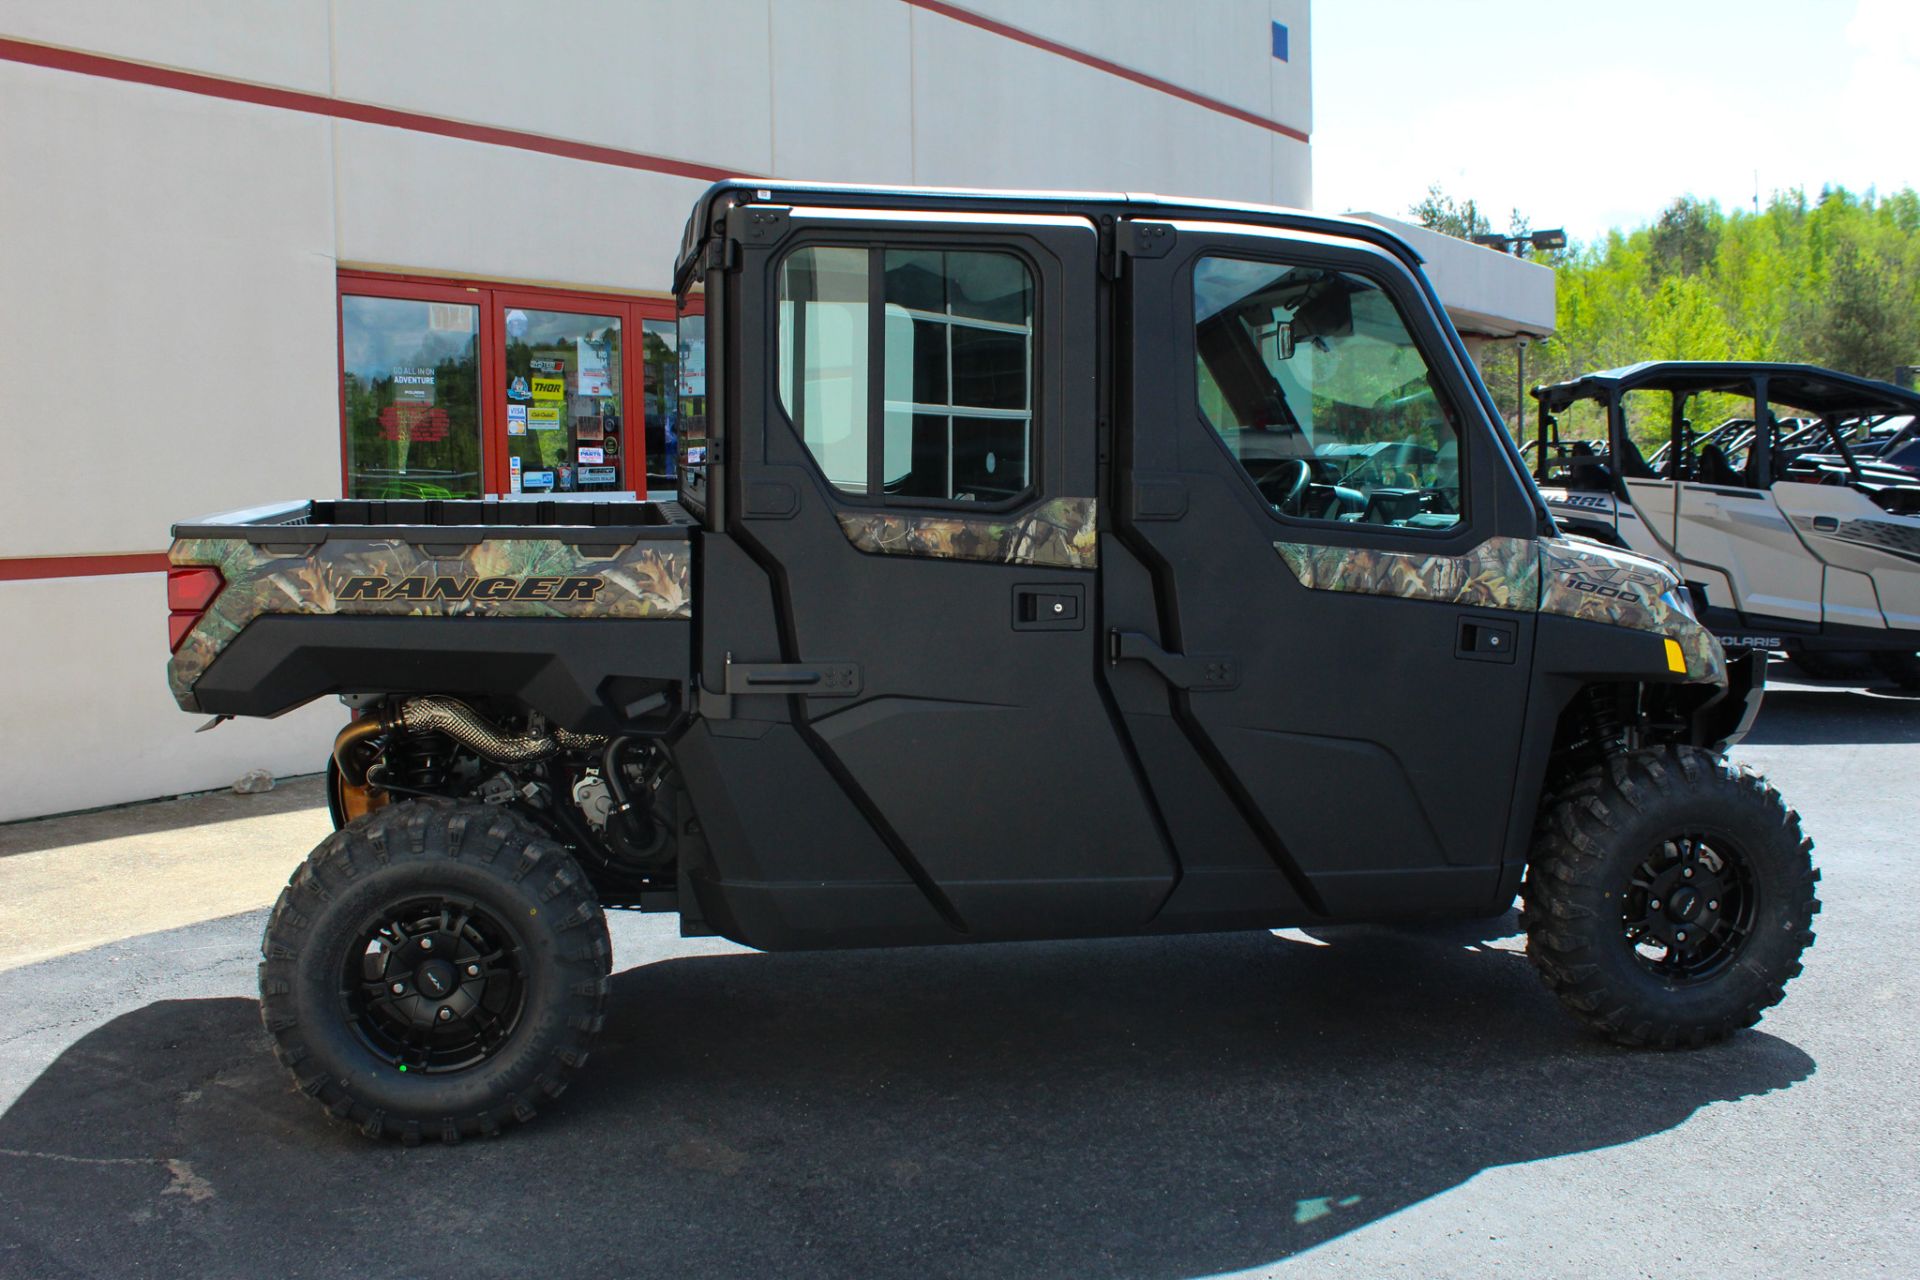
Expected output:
(1313, 381)
(956, 422)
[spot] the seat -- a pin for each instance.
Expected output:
(1633, 463)
(1713, 468)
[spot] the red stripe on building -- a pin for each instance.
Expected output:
(319, 104)
(973, 19)
(25, 568)
(111, 68)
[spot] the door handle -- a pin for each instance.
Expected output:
(1200, 673)
(1487, 640)
(1050, 607)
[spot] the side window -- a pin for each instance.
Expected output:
(1313, 382)
(954, 421)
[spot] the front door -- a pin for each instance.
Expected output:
(1321, 587)
(1729, 525)
(564, 398)
(917, 477)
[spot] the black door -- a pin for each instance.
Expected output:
(916, 479)
(1321, 586)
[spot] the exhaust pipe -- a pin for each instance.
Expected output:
(461, 723)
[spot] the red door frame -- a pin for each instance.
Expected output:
(493, 301)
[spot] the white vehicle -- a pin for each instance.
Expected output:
(1789, 537)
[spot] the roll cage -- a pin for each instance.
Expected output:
(1807, 421)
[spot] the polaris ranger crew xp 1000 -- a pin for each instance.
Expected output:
(1046, 566)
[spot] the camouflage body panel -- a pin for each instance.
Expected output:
(497, 578)
(1060, 533)
(1572, 577)
(1598, 583)
(1500, 573)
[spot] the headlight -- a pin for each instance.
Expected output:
(1680, 600)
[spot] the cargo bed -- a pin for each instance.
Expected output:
(528, 597)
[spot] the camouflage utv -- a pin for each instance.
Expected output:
(1048, 566)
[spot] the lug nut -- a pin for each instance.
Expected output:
(399, 988)
(426, 944)
(1688, 873)
(473, 971)
(445, 1014)
(1655, 904)
(1713, 906)
(1682, 935)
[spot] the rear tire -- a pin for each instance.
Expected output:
(1831, 664)
(434, 970)
(1669, 897)
(1901, 668)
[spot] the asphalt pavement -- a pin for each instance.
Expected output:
(1355, 1102)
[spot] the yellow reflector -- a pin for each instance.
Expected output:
(1676, 660)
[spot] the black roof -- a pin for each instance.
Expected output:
(722, 196)
(1798, 386)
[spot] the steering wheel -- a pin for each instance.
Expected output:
(1283, 485)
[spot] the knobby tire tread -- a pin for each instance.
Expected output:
(424, 833)
(1572, 908)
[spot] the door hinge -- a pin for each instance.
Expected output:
(1199, 673)
(808, 679)
(1131, 239)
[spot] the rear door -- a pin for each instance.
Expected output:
(1321, 599)
(918, 479)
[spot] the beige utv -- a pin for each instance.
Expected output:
(1791, 526)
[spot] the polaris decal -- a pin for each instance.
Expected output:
(559, 589)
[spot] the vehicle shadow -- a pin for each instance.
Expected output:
(1835, 716)
(1158, 1107)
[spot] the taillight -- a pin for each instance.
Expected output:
(189, 591)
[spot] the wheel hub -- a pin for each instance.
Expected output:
(434, 985)
(1689, 908)
(436, 979)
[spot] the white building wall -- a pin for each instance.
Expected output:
(168, 258)
(166, 346)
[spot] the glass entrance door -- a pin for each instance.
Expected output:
(452, 389)
(410, 395)
(564, 384)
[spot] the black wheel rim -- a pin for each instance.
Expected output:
(434, 984)
(1690, 907)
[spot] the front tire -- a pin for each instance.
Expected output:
(1669, 897)
(1900, 667)
(434, 970)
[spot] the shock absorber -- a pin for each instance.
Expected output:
(1606, 732)
(420, 760)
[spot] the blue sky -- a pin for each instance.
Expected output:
(1596, 115)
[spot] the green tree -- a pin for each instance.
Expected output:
(1439, 212)
(1833, 281)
